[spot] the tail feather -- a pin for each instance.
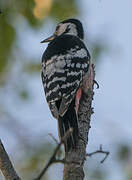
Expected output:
(69, 120)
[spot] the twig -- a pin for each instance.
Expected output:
(51, 135)
(6, 165)
(99, 151)
(53, 157)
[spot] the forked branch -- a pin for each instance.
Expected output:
(53, 157)
(99, 151)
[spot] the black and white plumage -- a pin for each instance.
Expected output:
(64, 64)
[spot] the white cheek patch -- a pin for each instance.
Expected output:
(62, 29)
(71, 29)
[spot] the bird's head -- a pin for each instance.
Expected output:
(69, 26)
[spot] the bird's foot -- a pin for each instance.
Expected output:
(95, 82)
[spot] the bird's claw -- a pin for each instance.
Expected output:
(95, 82)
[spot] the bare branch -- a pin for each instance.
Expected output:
(6, 166)
(99, 151)
(53, 157)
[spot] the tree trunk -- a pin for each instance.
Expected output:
(73, 170)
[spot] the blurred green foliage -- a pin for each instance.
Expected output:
(98, 174)
(24, 94)
(98, 48)
(124, 156)
(7, 37)
(34, 160)
(13, 9)
(63, 9)
(32, 67)
(124, 152)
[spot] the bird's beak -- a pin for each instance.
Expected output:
(48, 39)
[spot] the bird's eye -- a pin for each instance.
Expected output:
(67, 29)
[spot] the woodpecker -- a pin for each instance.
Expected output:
(65, 62)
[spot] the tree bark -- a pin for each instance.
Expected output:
(73, 170)
(6, 166)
